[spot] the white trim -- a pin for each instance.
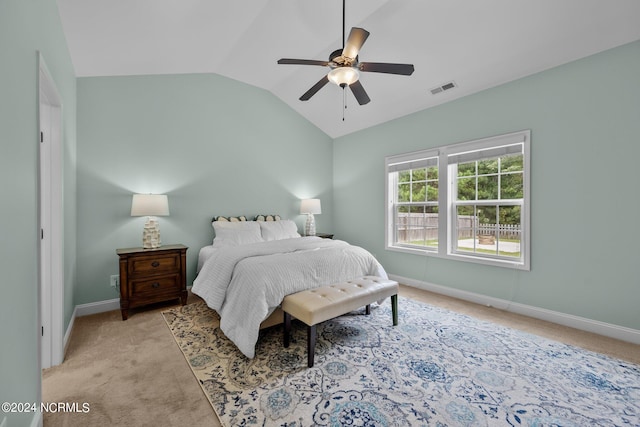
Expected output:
(601, 328)
(45, 278)
(51, 298)
(97, 307)
(37, 420)
(67, 334)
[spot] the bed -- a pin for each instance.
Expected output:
(252, 265)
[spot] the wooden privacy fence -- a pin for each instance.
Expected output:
(416, 226)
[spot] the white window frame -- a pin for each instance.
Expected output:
(447, 239)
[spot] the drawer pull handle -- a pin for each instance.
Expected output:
(155, 264)
(155, 285)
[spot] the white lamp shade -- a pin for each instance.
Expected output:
(150, 205)
(310, 206)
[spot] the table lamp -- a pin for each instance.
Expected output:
(310, 207)
(150, 205)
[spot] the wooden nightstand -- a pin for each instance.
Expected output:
(148, 276)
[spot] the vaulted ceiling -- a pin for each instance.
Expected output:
(474, 44)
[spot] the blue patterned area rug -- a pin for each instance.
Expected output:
(436, 368)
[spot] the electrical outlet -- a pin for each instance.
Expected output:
(115, 281)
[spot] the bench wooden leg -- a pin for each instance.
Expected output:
(394, 309)
(287, 328)
(311, 344)
(367, 309)
(311, 338)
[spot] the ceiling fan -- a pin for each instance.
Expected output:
(345, 67)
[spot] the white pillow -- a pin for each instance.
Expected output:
(236, 233)
(278, 230)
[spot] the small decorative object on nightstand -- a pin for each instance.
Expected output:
(325, 235)
(148, 276)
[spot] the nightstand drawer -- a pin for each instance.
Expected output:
(160, 287)
(154, 264)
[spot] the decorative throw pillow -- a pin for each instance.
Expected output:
(278, 230)
(267, 218)
(229, 219)
(236, 233)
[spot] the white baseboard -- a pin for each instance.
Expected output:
(607, 329)
(67, 333)
(98, 307)
(37, 419)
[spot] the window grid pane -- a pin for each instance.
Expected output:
(416, 206)
(417, 225)
(490, 179)
(489, 230)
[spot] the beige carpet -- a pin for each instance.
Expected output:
(133, 374)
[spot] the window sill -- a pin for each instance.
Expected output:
(462, 257)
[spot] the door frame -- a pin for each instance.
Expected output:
(50, 221)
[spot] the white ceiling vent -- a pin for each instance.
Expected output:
(442, 88)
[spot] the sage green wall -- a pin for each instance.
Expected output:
(27, 27)
(585, 123)
(214, 145)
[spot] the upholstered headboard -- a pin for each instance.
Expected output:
(244, 218)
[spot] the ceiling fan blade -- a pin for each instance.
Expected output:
(302, 62)
(385, 67)
(356, 39)
(359, 92)
(316, 87)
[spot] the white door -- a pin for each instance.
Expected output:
(51, 277)
(45, 231)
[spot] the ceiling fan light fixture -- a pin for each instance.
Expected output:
(343, 76)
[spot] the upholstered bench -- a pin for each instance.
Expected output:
(314, 306)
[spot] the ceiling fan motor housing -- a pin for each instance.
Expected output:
(337, 60)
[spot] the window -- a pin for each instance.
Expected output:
(467, 201)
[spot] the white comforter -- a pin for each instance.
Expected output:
(244, 284)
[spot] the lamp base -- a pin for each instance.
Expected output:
(310, 226)
(151, 234)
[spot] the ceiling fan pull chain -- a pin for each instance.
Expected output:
(344, 102)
